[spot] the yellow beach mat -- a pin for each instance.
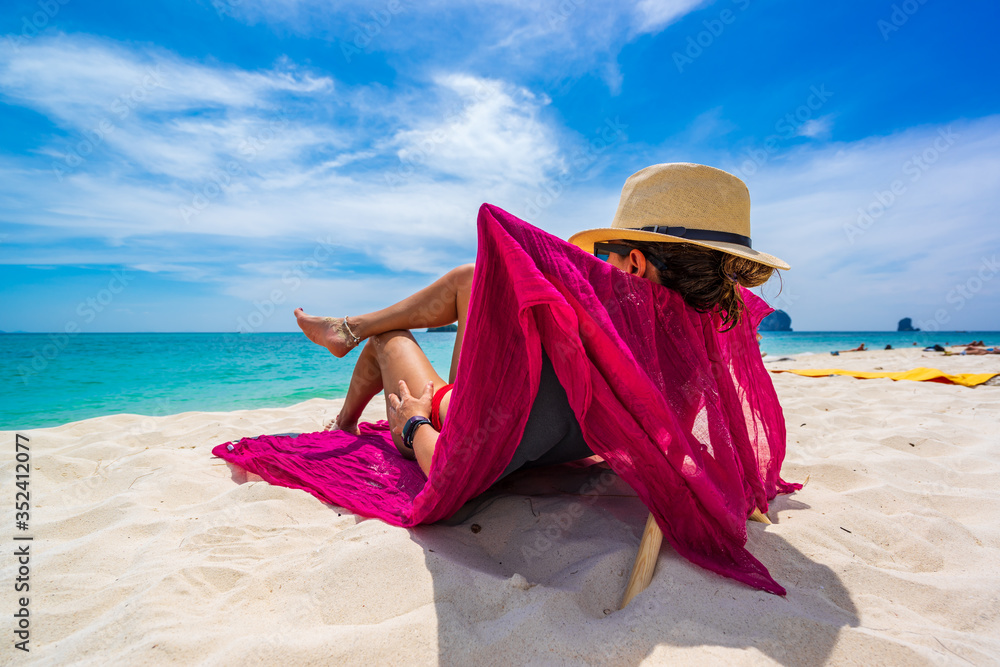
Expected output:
(916, 374)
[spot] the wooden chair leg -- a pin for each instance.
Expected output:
(649, 550)
(645, 561)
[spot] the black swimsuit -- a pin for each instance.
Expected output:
(552, 434)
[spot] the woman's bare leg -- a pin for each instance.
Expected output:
(365, 384)
(436, 305)
(386, 359)
(462, 298)
(443, 302)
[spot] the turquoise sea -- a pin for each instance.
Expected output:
(52, 379)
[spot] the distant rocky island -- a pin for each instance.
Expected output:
(448, 328)
(779, 320)
(906, 324)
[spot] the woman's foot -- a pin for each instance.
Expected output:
(329, 332)
(335, 425)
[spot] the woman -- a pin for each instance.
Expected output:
(683, 226)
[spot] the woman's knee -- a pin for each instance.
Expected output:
(463, 275)
(384, 343)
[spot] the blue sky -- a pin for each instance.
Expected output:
(208, 165)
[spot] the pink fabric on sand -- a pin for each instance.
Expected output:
(686, 415)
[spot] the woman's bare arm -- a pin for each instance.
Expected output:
(401, 408)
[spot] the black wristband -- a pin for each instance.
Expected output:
(410, 428)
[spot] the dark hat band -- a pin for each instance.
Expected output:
(698, 234)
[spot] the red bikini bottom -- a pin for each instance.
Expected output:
(436, 406)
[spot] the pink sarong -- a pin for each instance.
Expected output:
(686, 415)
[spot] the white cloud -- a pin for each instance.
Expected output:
(76, 78)
(652, 16)
(862, 254)
(496, 137)
(817, 128)
(185, 272)
(708, 125)
(166, 115)
(401, 186)
(554, 39)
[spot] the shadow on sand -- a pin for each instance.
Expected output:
(535, 576)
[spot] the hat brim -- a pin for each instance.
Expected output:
(586, 240)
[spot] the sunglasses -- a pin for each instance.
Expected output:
(603, 250)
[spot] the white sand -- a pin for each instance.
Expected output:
(148, 551)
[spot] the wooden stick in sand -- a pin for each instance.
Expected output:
(645, 561)
(649, 550)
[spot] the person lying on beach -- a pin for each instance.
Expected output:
(704, 263)
(980, 349)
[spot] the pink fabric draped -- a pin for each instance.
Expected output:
(686, 415)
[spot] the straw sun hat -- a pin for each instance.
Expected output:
(683, 203)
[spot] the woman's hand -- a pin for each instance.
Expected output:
(406, 405)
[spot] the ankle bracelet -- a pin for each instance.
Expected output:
(354, 339)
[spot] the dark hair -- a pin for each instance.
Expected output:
(704, 277)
